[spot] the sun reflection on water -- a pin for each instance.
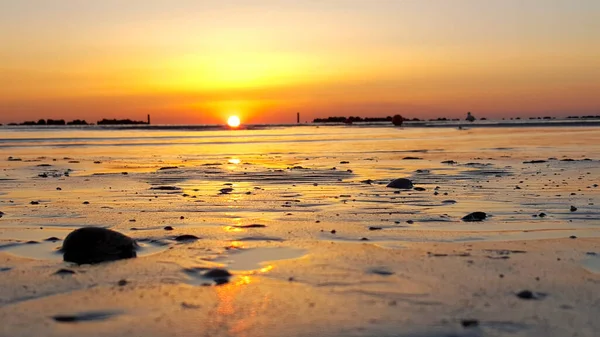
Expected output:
(235, 310)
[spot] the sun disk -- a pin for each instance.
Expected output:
(233, 121)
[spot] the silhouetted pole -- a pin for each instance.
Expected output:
(148, 119)
(298, 118)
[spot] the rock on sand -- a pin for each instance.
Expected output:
(402, 183)
(91, 245)
(475, 216)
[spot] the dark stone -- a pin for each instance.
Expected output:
(1, 214)
(186, 237)
(534, 162)
(530, 295)
(52, 239)
(475, 216)
(375, 228)
(86, 316)
(381, 271)
(419, 189)
(469, 323)
(165, 188)
(86, 202)
(412, 158)
(573, 208)
(217, 273)
(401, 183)
(64, 272)
(122, 283)
(219, 276)
(89, 245)
(449, 162)
(226, 190)
(35, 203)
(251, 226)
(525, 294)
(333, 231)
(168, 228)
(572, 237)
(167, 168)
(541, 215)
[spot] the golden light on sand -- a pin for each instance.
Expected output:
(233, 121)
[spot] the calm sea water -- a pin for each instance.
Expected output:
(139, 143)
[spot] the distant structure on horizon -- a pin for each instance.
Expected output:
(297, 118)
(470, 117)
(397, 120)
(148, 119)
(119, 122)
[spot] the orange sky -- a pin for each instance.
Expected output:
(194, 62)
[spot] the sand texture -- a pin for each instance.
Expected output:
(302, 218)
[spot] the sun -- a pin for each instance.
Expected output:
(233, 121)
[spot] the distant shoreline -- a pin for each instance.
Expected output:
(407, 124)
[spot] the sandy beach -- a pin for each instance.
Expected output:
(301, 217)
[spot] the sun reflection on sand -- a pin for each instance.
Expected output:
(239, 315)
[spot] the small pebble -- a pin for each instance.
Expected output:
(186, 237)
(469, 323)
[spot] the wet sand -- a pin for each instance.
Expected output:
(302, 218)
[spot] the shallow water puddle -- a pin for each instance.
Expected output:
(149, 248)
(33, 234)
(38, 251)
(592, 264)
(258, 258)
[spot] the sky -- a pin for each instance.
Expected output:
(198, 62)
